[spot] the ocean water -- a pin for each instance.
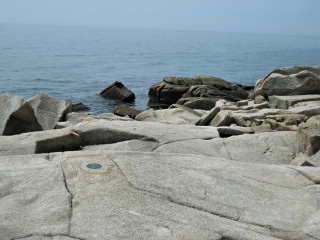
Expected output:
(78, 62)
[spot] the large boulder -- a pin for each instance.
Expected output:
(49, 110)
(16, 116)
(119, 92)
(171, 89)
(296, 80)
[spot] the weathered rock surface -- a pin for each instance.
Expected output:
(33, 198)
(172, 115)
(17, 116)
(267, 148)
(298, 80)
(107, 132)
(284, 102)
(40, 142)
(173, 88)
(49, 110)
(309, 109)
(155, 196)
(303, 160)
(119, 92)
(275, 117)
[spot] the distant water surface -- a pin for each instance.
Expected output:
(78, 62)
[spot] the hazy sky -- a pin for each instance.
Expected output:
(297, 17)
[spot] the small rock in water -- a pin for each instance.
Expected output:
(79, 107)
(119, 92)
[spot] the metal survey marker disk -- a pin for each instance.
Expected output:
(94, 166)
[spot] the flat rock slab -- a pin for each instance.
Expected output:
(154, 196)
(33, 197)
(106, 132)
(266, 148)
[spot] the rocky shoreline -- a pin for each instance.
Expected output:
(217, 164)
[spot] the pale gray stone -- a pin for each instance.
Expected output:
(284, 102)
(130, 145)
(49, 110)
(267, 148)
(308, 136)
(223, 118)
(17, 116)
(207, 117)
(173, 115)
(106, 132)
(182, 204)
(259, 99)
(307, 108)
(243, 103)
(303, 160)
(33, 198)
(296, 80)
(40, 142)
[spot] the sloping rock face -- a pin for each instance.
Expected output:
(297, 80)
(119, 92)
(171, 89)
(49, 110)
(125, 195)
(16, 116)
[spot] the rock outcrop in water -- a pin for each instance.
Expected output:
(171, 175)
(172, 89)
(119, 92)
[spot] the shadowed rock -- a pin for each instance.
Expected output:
(49, 110)
(119, 92)
(16, 116)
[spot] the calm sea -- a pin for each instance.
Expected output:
(78, 62)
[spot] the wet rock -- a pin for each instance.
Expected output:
(119, 92)
(125, 111)
(17, 116)
(298, 80)
(49, 110)
(79, 107)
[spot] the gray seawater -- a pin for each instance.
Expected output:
(78, 62)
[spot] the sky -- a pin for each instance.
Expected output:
(288, 17)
